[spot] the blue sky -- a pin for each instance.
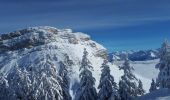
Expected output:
(117, 24)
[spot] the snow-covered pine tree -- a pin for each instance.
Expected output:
(67, 60)
(69, 64)
(153, 86)
(4, 90)
(86, 90)
(108, 89)
(141, 91)
(127, 85)
(45, 83)
(65, 81)
(163, 79)
(19, 84)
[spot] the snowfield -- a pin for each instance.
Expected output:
(144, 70)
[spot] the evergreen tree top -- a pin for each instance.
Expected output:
(153, 83)
(165, 46)
(165, 43)
(126, 66)
(152, 79)
(105, 69)
(164, 55)
(153, 86)
(63, 70)
(128, 70)
(140, 83)
(104, 64)
(85, 64)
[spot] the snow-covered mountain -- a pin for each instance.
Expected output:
(141, 55)
(29, 59)
(30, 62)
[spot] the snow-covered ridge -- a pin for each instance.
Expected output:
(35, 36)
(34, 40)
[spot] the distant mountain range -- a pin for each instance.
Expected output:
(139, 55)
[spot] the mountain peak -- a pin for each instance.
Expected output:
(35, 36)
(30, 41)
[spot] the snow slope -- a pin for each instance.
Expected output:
(144, 70)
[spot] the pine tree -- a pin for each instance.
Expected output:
(45, 82)
(108, 89)
(127, 85)
(153, 86)
(68, 61)
(19, 84)
(69, 64)
(164, 66)
(141, 91)
(4, 90)
(65, 81)
(87, 90)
